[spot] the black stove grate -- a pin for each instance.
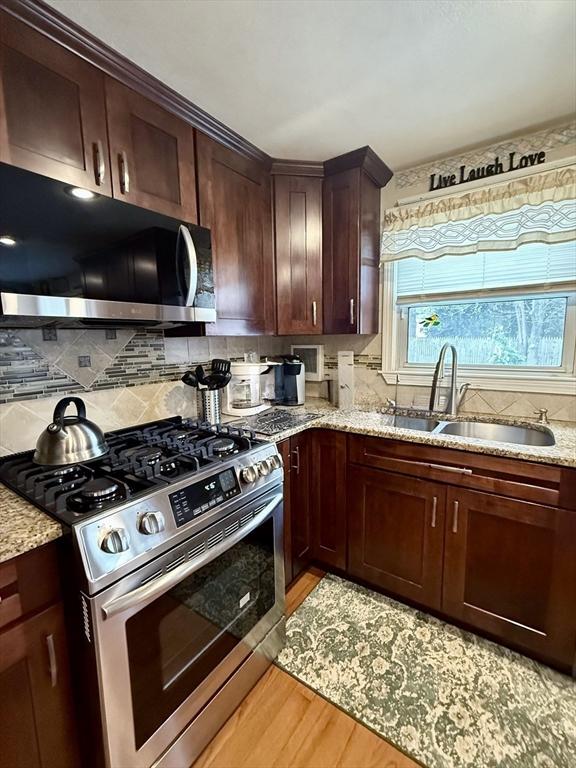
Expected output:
(138, 459)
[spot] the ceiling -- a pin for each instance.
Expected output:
(310, 79)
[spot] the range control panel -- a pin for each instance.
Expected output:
(188, 503)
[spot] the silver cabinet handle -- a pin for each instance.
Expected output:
(185, 237)
(446, 468)
(314, 314)
(99, 164)
(296, 452)
(124, 173)
(434, 507)
(455, 517)
(351, 311)
(52, 662)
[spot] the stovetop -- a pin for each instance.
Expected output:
(139, 459)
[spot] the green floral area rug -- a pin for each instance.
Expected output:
(444, 696)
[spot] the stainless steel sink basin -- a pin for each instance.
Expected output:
(413, 422)
(501, 433)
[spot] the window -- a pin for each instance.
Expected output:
(508, 313)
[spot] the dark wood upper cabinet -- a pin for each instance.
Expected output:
(351, 239)
(234, 202)
(396, 533)
(298, 240)
(328, 497)
(510, 570)
(152, 153)
(52, 109)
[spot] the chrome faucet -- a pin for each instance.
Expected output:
(456, 394)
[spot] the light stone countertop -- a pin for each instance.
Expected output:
(24, 527)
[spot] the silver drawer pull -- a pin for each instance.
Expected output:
(434, 507)
(52, 662)
(455, 517)
(457, 470)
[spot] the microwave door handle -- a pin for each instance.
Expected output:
(163, 583)
(185, 238)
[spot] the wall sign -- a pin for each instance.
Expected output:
(441, 181)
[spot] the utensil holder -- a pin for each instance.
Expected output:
(209, 405)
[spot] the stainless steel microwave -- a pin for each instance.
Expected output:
(71, 257)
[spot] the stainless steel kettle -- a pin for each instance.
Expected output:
(69, 439)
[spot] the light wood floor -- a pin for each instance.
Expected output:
(284, 724)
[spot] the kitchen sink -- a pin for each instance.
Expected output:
(500, 433)
(414, 422)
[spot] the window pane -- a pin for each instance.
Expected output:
(526, 332)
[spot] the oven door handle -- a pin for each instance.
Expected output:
(163, 583)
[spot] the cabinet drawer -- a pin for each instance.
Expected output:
(28, 582)
(540, 483)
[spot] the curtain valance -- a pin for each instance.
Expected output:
(538, 208)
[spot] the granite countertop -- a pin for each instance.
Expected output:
(24, 527)
(379, 424)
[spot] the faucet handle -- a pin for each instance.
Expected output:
(542, 414)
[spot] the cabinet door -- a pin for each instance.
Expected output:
(36, 713)
(152, 154)
(396, 533)
(510, 570)
(284, 449)
(52, 109)
(341, 246)
(300, 503)
(298, 233)
(234, 202)
(328, 497)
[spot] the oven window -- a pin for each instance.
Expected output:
(178, 640)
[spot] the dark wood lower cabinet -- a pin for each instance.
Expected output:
(328, 497)
(284, 449)
(396, 533)
(510, 570)
(301, 529)
(36, 716)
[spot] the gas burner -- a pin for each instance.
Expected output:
(222, 446)
(100, 488)
(64, 471)
(97, 494)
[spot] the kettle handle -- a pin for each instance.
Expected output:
(63, 404)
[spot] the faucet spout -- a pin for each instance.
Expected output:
(454, 398)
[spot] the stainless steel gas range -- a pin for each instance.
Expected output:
(179, 578)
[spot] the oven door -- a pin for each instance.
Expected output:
(164, 647)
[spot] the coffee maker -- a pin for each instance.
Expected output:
(289, 380)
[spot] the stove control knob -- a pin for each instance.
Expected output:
(276, 461)
(151, 522)
(249, 474)
(115, 541)
(264, 467)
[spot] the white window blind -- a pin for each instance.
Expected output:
(530, 264)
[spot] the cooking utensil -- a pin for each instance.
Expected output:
(69, 439)
(190, 379)
(220, 366)
(218, 380)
